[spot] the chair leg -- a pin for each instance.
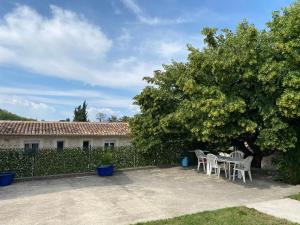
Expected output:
(219, 170)
(225, 169)
(198, 165)
(233, 175)
(244, 176)
(204, 169)
(250, 176)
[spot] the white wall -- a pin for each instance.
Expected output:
(51, 142)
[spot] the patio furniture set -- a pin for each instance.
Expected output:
(234, 161)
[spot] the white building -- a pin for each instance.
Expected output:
(36, 134)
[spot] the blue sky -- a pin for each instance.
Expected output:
(56, 54)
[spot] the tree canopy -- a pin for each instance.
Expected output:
(80, 113)
(243, 85)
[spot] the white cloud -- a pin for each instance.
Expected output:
(165, 49)
(185, 18)
(124, 39)
(133, 6)
(67, 97)
(32, 105)
(26, 107)
(44, 103)
(64, 45)
(93, 111)
(169, 49)
(134, 109)
(143, 18)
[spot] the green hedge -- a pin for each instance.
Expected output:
(76, 160)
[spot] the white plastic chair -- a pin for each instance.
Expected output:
(201, 159)
(243, 166)
(212, 163)
(237, 155)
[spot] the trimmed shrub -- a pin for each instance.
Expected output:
(26, 163)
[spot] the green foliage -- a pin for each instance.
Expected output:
(288, 163)
(113, 118)
(107, 158)
(295, 197)
(80, 113)
(20, 162)
(243, 85)
(5, 115)
(76, 160)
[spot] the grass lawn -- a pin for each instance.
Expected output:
(227, 216)
(296, 196)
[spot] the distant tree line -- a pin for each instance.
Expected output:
(5, 115)
(81, 115)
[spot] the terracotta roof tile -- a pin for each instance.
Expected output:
(37, 128)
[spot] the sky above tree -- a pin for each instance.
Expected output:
(56, 54)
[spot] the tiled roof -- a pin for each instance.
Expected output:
(36, 128)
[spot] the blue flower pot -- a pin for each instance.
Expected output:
(6, 178)
(185, 162)
(105, 170)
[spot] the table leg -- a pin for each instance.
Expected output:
(229, 171)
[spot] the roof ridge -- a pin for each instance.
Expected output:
(63, 128)
(68, 122)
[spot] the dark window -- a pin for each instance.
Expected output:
(60, 145)
(86, 144)
(31, 146)
(109, 144)
(35, 146)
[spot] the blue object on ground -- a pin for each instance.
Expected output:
(185, 162)
(6, 178)
(105, 170)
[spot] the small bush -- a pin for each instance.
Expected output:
(289, 166)
(107, 158)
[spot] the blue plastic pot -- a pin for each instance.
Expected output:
(6, 178)
(105, 170)
(185, 162)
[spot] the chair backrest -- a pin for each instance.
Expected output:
(224, 154)
(199, 153)
(212, 160)
(247, 162)
(237, 155)
(231, 148)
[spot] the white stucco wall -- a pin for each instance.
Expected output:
(51, 142)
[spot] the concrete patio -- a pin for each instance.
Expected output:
(129, 197)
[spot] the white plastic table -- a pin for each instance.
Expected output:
(228, 160)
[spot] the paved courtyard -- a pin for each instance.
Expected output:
(129, 197)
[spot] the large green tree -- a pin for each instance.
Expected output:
(244, 85)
